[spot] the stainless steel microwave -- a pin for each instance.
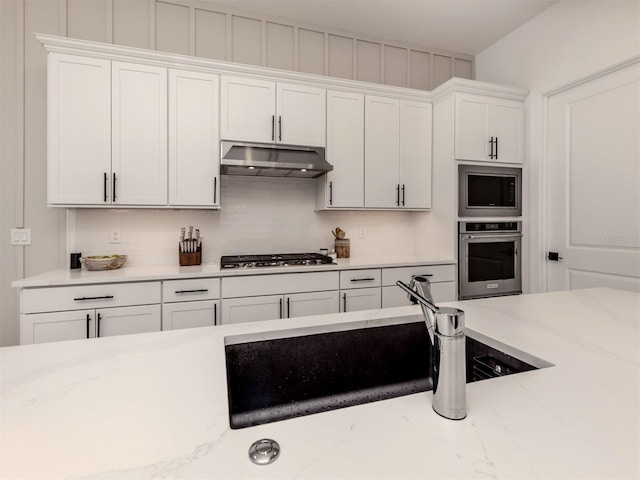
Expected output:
(489, 191)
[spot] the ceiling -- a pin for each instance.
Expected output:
(463, 26)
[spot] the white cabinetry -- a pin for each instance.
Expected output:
(397, 153)
(190, 303)
(441, 277)
(360, 290)
(194, 142)
(343, 187)
(488, 128)
(255, 110)
(68, 313)
(268, 297)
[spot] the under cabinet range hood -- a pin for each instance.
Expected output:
(272, 160)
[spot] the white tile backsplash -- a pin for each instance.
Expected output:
(258, 215)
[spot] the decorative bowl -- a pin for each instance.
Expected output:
(104, 262)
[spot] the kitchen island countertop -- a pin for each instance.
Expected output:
(142, 273)
(155, 405)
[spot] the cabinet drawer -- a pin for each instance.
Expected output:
(191, 289)
(441, 291)
(278, 284)
(54, 299)
(360, 278)
(435, 273)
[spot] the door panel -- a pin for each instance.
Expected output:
(251, 309)
(247, 108)
(360, 299)
(56, 327)
(127, 320)
(180, 315)
(508, 128)
(313, 303)
(301, 115)
(593, 179)
(472, 128)
(415, 154)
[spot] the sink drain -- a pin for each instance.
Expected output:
(264, 452)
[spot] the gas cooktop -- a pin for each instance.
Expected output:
(275, 260)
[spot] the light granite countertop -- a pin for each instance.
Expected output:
(142, 273)
(155, 405)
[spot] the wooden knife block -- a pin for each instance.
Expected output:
(189, 259)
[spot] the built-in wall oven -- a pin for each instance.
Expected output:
(489, 191)
(489, 259)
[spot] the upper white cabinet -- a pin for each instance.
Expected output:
(139, 134)
(194, 142)
(488, 128)
(264, 111)
(343, 187)
(78, 130)
(397, 153)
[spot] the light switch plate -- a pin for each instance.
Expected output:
(20, 236)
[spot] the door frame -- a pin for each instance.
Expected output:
(537, 148)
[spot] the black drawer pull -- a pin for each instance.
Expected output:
(425, 275)
(200, 290)
(368, 279)
(106, 297)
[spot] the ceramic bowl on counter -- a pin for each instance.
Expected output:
(103, 262)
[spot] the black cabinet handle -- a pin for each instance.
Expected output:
(281, 308)
(491, 143)
(403, 194)
(496, 157)
(330, 193)
(368, 279)
(105, 297)
(98, 325)
(215, 189)
(88, 320)
(280, 127)
(398, 194)
(105, 186)
(215, 313)
(288, 308)
(113, 196)
(344, 302)
(425, 275)
(273, 127)
(199, 290)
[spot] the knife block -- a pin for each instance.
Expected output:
(190, 259)
(343, 248)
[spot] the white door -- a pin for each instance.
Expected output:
(415, 154)
(139, 136)
(382, 152)
(301, 115)
(472, 128)
(189, 314)
(593, 183)
(360, 299)
(247, 109)
(194, 142)
(251, 309)
(345, 149)
(78, 130)
(127, 320)
(312, 303)
(508, 130)
(56, 327)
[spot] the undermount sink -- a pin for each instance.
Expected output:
(273, 376)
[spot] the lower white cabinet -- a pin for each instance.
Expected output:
(180, 315)
(441, 277)
(272, 307)
(79, 324)
(360, 299)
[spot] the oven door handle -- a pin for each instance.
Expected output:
(506, 235)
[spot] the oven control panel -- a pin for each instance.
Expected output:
(468, 227)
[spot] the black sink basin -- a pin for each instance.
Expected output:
(278, 378)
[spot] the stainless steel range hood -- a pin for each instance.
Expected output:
(271, 160)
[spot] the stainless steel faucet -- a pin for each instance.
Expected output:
(446, 332)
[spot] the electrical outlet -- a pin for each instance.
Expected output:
(363, 232)
(20, 236)
(115, 236)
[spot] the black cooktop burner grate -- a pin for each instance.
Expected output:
(274, 260)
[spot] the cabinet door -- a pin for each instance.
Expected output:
(251, 309)
(345, 150)
(360, 299)
(139, 135)
(382, 151)
(194, 143)
(472, 127)
(78, 130)
(56, 327)
(415, 154)
(313, 303)
(301, 115)
(126, 320)
(189, 314)
(508, 128)
(442, 292)
(247, 109)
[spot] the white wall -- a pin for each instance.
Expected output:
(570, 40)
